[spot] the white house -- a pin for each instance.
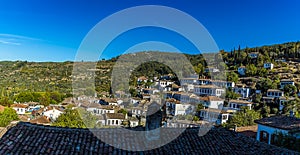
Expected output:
(108, 101)
(194, 99)
(243, 91)
(242, 70)
(212, 102)
(284, 82)
(133, 122)
(164, 83)
(98, 109)
(223, 84)
(20, 108)
(269, 128)
(176, 108)
(184, 97)
(135, 101)
(274, 93)
(211, 70)
(237, 104)
(204, 81)
(214, 115)
(53, 114)
(268, 65)
(282, 100)
(208, 90)
(150, 91)
(223, 117)
(188, 81)
(142, 79)
(253, 55)
(183, 109)
(210, 115)
(136, 111)
(114, 119)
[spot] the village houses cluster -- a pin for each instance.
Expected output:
(179, 103)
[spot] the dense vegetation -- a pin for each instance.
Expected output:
(245, 117)
(7, 116)
(74, 118)
(47, 77)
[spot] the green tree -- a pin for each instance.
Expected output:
(123, 111)
(74, 118)
(7, 116)
(293, 105)
(257, 98)
(262, 72)
(70, 118)
(24, 97)
(251, 70)
(89, 92)
(265, 110)
(199, 107)
(199, 69)
(45, 99)
(231, 95)
(133, 92)
(244, 117)
(55, 97)
(264, 84)
(5, 101)
(232, 76)
(290, 90)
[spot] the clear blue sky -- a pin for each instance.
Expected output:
(52, 30)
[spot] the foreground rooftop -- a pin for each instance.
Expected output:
(281, 122)
(26, 138)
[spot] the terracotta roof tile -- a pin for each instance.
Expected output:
(240, 102)
(211, 98)
(208, 86)
(40, 120)
(115, 116)
(19, 105)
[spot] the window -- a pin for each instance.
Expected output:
(224, 117)
(264, 136)
(117, 122)
(113, 122)
(108, 122)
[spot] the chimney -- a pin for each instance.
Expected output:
(153, 121)
(291, 113)
(235, 128)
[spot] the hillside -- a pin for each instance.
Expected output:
(22, 76)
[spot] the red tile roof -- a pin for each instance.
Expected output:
(208, 86)
(211, 98)
(114, 116)
(40, 120)
(19, 105)
(240, 102)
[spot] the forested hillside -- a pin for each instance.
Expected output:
(23, 76)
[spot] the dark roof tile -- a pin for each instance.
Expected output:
(281, 122)
(26, 138)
